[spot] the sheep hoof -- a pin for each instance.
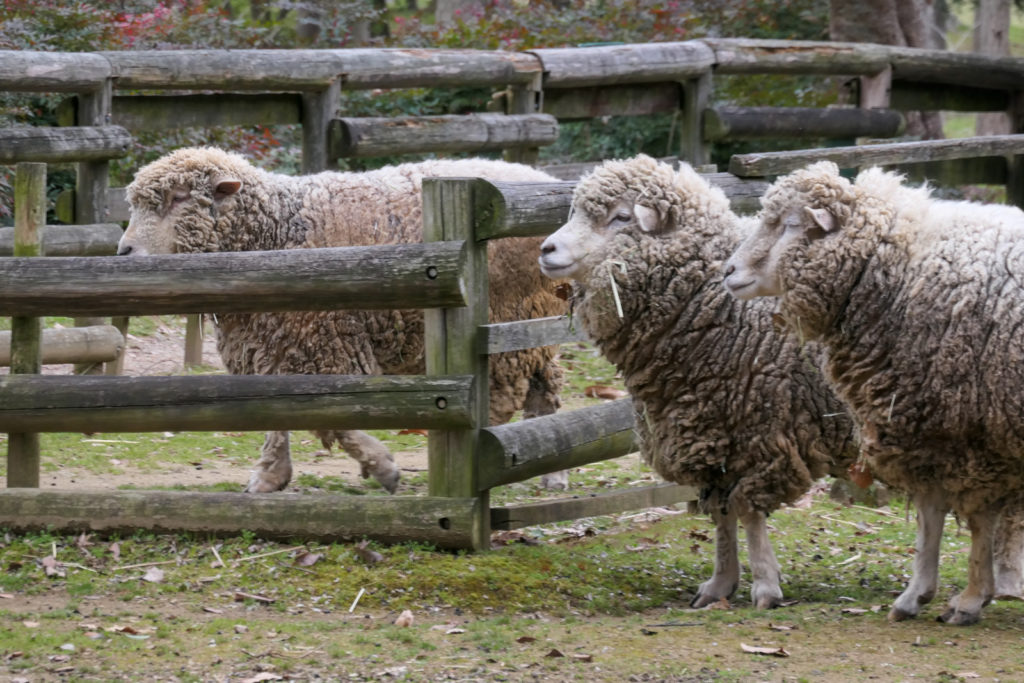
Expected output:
(555, 481)
(897, 614)
(261, 482)
(770, 600)
(959, 618)
(389, 480)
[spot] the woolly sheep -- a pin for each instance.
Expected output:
(207, 200)
(723, 401)
(918, 304)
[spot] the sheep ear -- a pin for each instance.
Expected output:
(647, 217)
(822, 218)
(225, 187)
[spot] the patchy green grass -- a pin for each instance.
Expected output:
(609, 595)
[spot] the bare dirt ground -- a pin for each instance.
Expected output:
(162, 353)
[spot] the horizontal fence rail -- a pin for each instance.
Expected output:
(758, 123)
(51, 403)
(444, 522)
(99, 239)
(419, 275)
(520, 450)
(775, 163)
(382, 136)
(92, 344)
(63, 144)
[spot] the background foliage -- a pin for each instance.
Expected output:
(96, 25)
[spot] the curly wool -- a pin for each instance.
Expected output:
(275, 211)
(724, 402)
(919, 302)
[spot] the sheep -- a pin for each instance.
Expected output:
(207, 200)
(723, 402)
(918, 304)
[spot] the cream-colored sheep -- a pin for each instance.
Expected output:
(919, 304)
(207, 200)
(724, 402)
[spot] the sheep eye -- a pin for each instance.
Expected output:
(622, 216)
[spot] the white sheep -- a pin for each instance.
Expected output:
(919, 305)
(207, 200)
(723, 401)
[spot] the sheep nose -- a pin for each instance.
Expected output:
(124, 251)
(546, 248)
(729, 269)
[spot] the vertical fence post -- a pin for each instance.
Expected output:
(452, 348)
(318, 109)
(26, 333)
(91, 183)
(524, 99)
(1015, 164)
(696, 94)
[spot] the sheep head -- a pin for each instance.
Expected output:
(620, 199)
(176, 201)
(798, 210)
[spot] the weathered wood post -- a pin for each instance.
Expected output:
(26, 332)
(91, 183)
(1015, 164)
(696, 95)
(524, 99)
(453, 348)
(318, 109)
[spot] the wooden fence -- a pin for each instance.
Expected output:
(466, 457)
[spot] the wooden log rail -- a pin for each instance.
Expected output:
(520, 450)
(54, 403)
(759, 123)
(70, 240)
(418, 275)
(383, 136)
(63, 144)
(92, 344)
(776, 163)
(441, 521)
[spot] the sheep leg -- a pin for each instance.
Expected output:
(726, 577)
(542, 399)
(766, 592)
(274, 469)
(965, 608)
(931, 514)
(1008, 556)
(373, 457)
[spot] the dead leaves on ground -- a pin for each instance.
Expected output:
(600, 391)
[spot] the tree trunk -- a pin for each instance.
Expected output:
(992, 37)
(909, 23)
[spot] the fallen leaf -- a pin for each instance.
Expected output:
(368, 555)
(115, 550)
(454, 631)
(853, 610)
(153, 575)
(6, 596)
(781, 627)
(773, 651)
(52, 567)
(420, 432)
(404, 619)
(554, 653)
(967, 674)
(263, 676)
(525, 639)
(503, 538)
(597, 391)
(860, 474)
(242, 597)
(307, 559)
(30, 624)
(83, 541)
(721, 603)
(583, 658)
(241, 628)
(213, 610)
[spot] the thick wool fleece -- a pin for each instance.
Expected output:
(275, 211)
(920, 303)
(724, 402)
